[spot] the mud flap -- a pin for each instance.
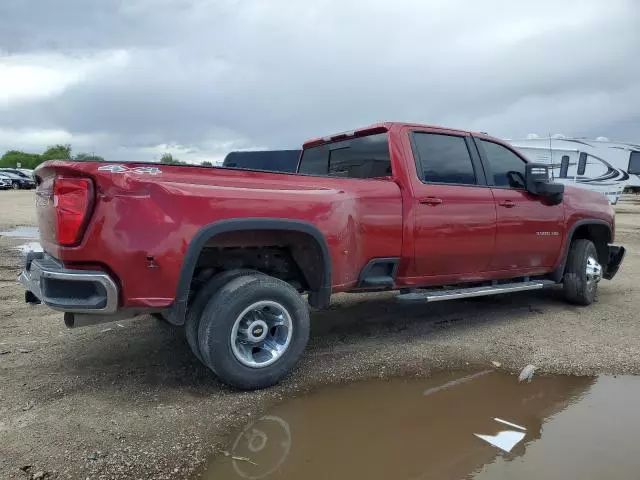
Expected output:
(616, 255)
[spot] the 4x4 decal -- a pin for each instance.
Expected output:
(123, 169)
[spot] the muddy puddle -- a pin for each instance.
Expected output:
(25, 233)
(482, 425)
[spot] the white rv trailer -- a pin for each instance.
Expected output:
(599, 165)
(629, 160)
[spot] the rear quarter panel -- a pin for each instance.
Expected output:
(142, 215)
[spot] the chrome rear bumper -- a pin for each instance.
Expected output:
(67, 290)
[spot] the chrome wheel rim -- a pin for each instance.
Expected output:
(593, 271)
(261, 334)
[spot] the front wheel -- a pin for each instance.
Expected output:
(253, 331)
(583, 273)
(15, 186)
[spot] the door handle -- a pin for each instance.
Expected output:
(507, 203)
(433, 201)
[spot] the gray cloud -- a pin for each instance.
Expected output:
(214, 75)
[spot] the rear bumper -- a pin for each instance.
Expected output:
(66, 290)
(616, 255)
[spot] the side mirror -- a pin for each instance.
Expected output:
(535, 176)
(537, 182)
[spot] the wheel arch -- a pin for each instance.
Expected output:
(319, 297)
(596, 230)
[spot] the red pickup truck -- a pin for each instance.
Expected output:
(434, 213)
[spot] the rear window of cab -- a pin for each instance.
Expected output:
(361, 157)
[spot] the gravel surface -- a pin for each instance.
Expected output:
(128, 399)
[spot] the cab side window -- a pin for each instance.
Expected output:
(507, 168)
(443, 159)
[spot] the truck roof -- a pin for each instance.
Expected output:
(378, 128)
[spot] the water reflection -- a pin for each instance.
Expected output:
(400, 429)
(268, 438)
(22, 232)
(25, 233)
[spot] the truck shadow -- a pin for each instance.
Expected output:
(149, 354)
(383, 315)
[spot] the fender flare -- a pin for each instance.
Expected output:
(319, 298)
(558, 273)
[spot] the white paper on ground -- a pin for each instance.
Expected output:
(504, 440)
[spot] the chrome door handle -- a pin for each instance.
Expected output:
(507, 204)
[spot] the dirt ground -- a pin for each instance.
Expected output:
(129, 400)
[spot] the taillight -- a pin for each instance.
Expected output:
(72, 199)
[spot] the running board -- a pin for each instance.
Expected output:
(453, 294)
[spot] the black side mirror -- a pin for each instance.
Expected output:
(537, 183)
(535, 176)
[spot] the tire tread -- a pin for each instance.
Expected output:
(215, 283)
(575, 277)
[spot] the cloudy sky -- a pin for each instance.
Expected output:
(131, 79)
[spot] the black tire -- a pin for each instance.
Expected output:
(192, 322)
(15, 186)
(578, 289)
(218, 319)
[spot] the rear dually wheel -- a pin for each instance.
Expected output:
(253, 331)
(204, 295)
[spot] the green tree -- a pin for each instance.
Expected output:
(206, 164)
(12, 158)
(88, 157)
(57, 152)
(168, 159)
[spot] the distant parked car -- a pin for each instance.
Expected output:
(27, 172)
(18, 181)
(5, 183)
(22, 172)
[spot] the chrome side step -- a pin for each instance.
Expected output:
(439, 295)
